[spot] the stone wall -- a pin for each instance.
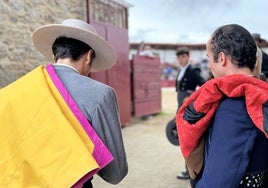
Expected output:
(19, 18)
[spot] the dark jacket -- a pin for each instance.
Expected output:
(235, 148)
(190, 79)
(264, 68)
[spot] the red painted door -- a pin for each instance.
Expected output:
(146, 85)
(119, 76)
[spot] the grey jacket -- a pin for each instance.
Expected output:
(98, 103)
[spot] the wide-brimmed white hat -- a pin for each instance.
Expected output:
(43, 38)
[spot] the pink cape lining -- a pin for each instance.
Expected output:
(101, 153)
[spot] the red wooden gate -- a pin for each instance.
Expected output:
(119, 76)
(146, 85)
(110, 20)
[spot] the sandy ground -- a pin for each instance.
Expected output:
(153, 161)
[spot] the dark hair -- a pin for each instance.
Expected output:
(236, 42)
(64, 47)
(182, 50)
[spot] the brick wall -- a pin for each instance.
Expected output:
(19, 18)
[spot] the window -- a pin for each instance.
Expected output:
(109, 11)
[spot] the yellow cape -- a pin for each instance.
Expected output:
(42, 142)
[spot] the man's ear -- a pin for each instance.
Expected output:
(89, 56)
(222, 58)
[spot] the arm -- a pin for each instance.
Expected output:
(230, 140)
(107, 125)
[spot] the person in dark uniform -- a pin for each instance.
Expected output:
(259, 41)
(188, 79)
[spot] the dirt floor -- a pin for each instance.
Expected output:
(153, 161)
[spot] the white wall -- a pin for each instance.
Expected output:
(169, 56)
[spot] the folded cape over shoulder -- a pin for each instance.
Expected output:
(46, 140)
(194, 116)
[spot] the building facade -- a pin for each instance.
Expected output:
(18, 20)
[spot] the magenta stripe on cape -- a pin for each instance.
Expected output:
(101, 153)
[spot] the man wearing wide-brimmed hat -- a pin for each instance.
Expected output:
(259, 42)
(62, 127)
(77, 50)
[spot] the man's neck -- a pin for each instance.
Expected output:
(245, 71)
(68, 62)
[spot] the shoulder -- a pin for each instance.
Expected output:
(194, 69)
(83, 87)
(231, 103)
(264, 55)
(97, 89)
(232, 122)
(87, 83)
(230, 107)
(232, 118)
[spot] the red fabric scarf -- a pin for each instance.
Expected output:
(206, 100)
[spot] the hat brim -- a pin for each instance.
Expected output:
(44, 37)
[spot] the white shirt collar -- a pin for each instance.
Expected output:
(185, 67)
(182, 71)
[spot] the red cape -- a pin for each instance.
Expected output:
(206, 100)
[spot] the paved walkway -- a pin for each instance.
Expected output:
(153, 161)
